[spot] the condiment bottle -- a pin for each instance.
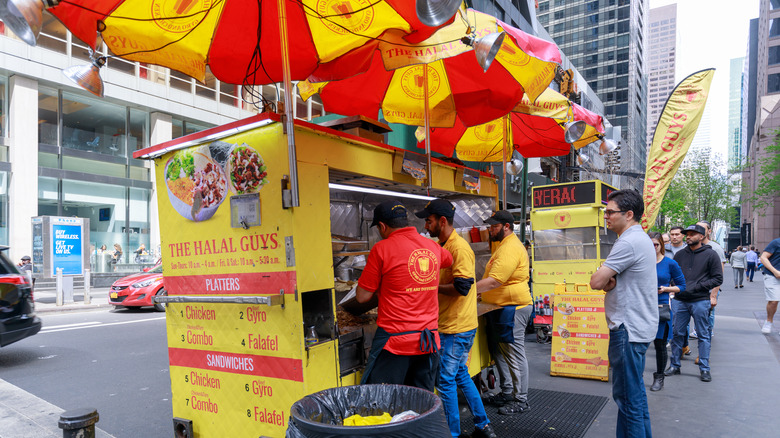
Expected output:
(474, 233)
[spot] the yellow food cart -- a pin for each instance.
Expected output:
(252, 320)
(569, 243)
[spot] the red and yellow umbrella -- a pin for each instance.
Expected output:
(457, 85)
(536, 129)
(239, 39)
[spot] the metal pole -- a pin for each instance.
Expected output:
(427, 127)
(524, 194)
(60, 287)
(288, 104)
(87, 287)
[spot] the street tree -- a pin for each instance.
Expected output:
(767, 171)
(700, 190)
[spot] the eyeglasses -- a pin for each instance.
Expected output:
(656, 245)
(611, 212)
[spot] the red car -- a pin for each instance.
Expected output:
(138, 289)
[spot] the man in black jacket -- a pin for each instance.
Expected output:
(703, 274)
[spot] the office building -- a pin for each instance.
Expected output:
(763, 220)
(606, 41)
(661, 61)
(735, 113)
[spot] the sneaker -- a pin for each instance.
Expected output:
(693, 335)
(485, 432)
(498, 399)
(514, 407)
(767, 328)
(706, 376)
(687, 350)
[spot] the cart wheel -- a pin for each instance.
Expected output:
(479, 382)
(491, 379)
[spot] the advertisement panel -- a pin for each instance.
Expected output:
(67, 245)
(580, 334)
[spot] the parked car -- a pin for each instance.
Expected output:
(17, 306)
(137, 290)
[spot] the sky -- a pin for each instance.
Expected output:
(710, 34)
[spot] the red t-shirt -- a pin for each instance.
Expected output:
(404, 270)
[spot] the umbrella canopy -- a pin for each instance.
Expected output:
(457, 84)
(536, 130)
(239, 39)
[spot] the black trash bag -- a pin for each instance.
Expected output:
(321, 415)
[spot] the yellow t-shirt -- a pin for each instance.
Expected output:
(509, 266)
(458, 314)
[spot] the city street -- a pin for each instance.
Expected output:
(112, 360)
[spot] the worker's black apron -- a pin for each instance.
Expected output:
(427, 345)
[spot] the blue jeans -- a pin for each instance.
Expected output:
(454, 374)
(751, 268)
(700, 311)
(627, 360)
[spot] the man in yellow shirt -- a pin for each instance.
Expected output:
(505, 283)
(457, 320)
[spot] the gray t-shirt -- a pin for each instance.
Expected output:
(675, 249)
(718, 249)
(634, 300)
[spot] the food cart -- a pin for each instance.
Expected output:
(569, 243)
(252, 318)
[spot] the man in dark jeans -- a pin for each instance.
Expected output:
(703, 277)
(629, 278)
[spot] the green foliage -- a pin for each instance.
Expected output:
(767, 177)
(701, 190)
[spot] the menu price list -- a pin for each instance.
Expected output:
(580, 337)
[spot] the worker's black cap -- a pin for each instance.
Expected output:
(439, 206)
(388, 210)
(500, 217)
(695, 229)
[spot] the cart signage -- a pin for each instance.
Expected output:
(580, 335)
(564, 194)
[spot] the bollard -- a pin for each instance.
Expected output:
(79, 423)
(59, 287)
(87, 287)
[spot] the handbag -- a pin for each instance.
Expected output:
(664, 313)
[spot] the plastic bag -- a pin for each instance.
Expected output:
(322, 414)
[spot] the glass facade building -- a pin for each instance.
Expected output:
(605, 40)
(661, 62)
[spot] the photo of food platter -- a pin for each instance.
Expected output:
(196, 183)
(565, 308)
(246, 170)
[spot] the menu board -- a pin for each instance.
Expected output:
(235, 369)
(580, 336)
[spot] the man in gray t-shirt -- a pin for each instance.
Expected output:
(629, 279)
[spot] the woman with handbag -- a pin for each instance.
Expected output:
(669, 273)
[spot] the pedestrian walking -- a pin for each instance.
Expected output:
(402, 269)
(505, 283)
(751, 259)
(457, 320)
(770, 258)
(670, 281)
(738, 262)
(628, 276)
(703, 274)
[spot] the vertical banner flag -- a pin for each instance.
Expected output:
(673, 136)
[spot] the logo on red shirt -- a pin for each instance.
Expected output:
(423, 266)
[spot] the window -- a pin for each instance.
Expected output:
(774, 4)
(773, 83)
(558, 15)
(93, 125)
(774, 27)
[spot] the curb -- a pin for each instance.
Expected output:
(70, 307)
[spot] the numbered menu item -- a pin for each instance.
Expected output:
(580, 337)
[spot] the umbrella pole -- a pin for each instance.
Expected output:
(289, 124)
(503, 164)
(427, 127)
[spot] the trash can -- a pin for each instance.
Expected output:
(321, 415)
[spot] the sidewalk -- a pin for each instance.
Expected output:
(46, 301)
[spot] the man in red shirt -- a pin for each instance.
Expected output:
(403, 270)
